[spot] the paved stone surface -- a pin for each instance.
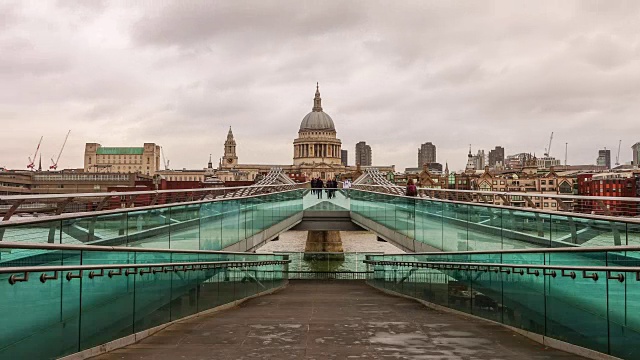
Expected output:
(334, 320)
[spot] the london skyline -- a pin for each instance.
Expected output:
(394, 76)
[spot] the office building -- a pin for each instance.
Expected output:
(344, 155)
(363, 154)
(604, 158)
(479, 160)
(636, 154)
(143, 160)
(496, 157)
(426, 154)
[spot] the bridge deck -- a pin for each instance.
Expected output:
(334, 320)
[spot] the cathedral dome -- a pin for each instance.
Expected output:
(317, 119)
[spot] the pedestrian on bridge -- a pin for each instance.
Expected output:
(412, 189)
(319, 186)
(327, 186)
(331, 186)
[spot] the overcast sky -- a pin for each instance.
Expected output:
(394, 74)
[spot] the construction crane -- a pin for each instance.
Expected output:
(164, 160)
(54, 164)
(31, 164)
(547, 150)
(618, 156)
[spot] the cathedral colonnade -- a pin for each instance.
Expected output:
(317, 150)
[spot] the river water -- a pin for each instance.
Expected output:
(352, 241)
(356, 245)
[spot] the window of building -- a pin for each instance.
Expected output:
(565, 188)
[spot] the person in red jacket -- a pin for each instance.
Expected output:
(412, 189)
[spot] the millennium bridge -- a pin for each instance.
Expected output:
(174, 274)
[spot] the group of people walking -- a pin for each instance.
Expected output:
(317, 186)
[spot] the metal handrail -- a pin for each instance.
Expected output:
(516, 268)
(514, 208)
(128, 193)
(540, 194)
(74, 215)
(619, 248)
(330, 252)
(56, 204)
(614, 206)
(151, 268)
(52, 247)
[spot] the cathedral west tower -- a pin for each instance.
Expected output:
(230, 159)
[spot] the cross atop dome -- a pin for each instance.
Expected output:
(317, 101)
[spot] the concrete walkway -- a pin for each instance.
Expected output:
(334, 320)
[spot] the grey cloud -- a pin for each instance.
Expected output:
(21, 59)
(606, 51)
(184, 24)
(88, 6)
(392, 74)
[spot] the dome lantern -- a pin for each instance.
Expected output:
(317, 101)
(317, 119)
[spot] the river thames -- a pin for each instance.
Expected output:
(352, 241)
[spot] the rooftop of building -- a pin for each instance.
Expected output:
(120, 151)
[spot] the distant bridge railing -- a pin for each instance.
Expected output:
(327, 265)
(56, 204)
(597, 205)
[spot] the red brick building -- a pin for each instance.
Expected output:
(609, 185)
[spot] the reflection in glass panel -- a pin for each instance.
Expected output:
(485, 228)
(455, 227)
(46, 328)
(152, 292)
(41, 232)
(149, 228)
(107, 302)
(525, 229)
(185, 227)
(211, 226)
